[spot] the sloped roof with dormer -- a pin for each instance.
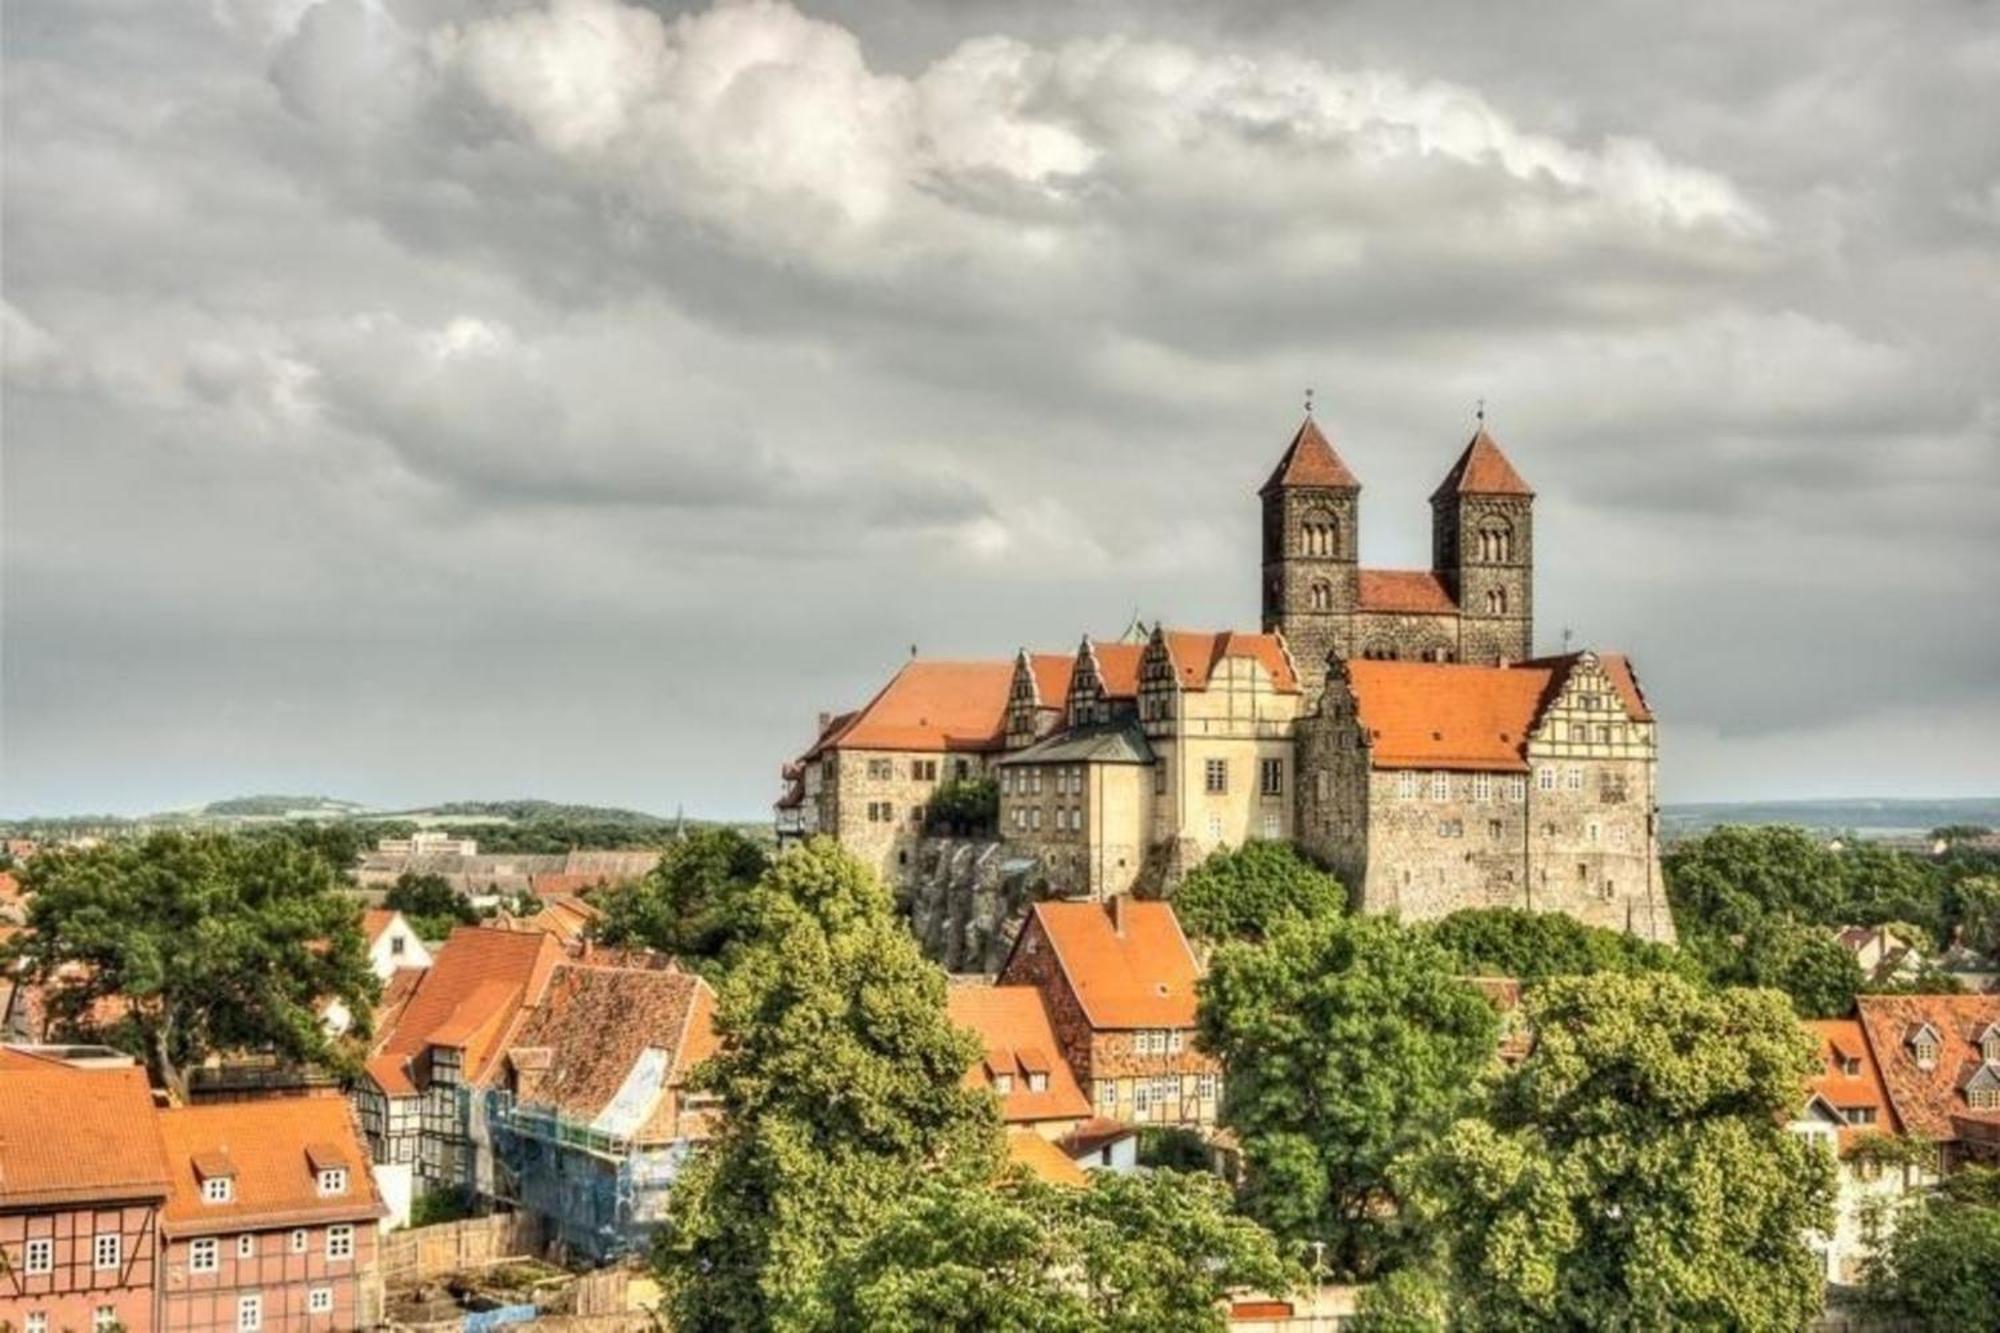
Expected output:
(470, 996)
(274, 1150)
(1012, 1023)
(1929, 1101)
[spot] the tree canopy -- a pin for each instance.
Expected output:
(1347, 1040)
(430, 904)
(1939, 1266)
(1242, 893)
(1634, 1171)
(693, 904)
(186, 944)
(1533, 946)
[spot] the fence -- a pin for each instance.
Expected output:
(430, 1252)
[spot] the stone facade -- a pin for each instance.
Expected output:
(875, 802)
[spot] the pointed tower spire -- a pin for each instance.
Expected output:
(1309, 460)
(1482, 469)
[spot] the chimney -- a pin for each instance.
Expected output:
(1116, 905)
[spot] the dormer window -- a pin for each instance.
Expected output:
(1925, 1048)
(1038, 1082)
(333, 1180)
(1003, 1083)
(1850, 1066)
(217, 1189)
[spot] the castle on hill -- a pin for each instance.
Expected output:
(1395, 724)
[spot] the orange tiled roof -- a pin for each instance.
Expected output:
(563, 883)
(375, 920)
(10, 889)
(1014, 1025)
(1195, 654)
(594, 1026)
(1049, 1163)
(269, 1144)
(1843, 1037)
(1143, 977)
(1445, 715)
(1052, 672)
(1928, 1101)
(1309, 460)
(933, 706)
(1404, 591)
(1482, 470)
(1118, 668)
(471, 994)
(70, 1135)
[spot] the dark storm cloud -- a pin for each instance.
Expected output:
(409, 397)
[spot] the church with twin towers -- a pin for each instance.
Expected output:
(1394, 724)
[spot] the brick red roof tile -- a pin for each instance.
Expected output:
(1049, 1163)
(933, 706)
(1482, 470)
(471, 995)
(1142, 976)
(1310, 460)
(1930, 1102)
(1052, 672)
(1118, 668)
(1449, 715)
(267, 1144)
(1404, 591)
(1014, 1026)
(1843, 1037)
(1195, 654)
(69, 1135)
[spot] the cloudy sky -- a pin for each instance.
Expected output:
(412, 399)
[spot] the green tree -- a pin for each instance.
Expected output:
(1244, 892)
(1805, 962)
(430, 904)
(1347, 1041)
(1130, 1254)
(207, 942)
(1727, 880)
(1635, 1172)
(691, 905)
(1532, 946)
(965, 805)
(1974, 903)
(1939, 1266)
(842, 1083)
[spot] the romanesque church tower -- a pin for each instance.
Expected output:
(1312, 549)
(1483, 550)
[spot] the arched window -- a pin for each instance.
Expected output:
(1496, 541)
(1379, 652)
(1320, 535)
(1496, 601)
(1322, 597)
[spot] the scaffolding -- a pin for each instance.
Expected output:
(601, 1193)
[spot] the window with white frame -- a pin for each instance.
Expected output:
(1406, 786)
(1215, 776)
(106, 1249)
(1173, 1041)
(246, 1246)
(1517, 789)
(319, 1300)
(36, 1322)
(41, 1256)
(1545, 778)
(340, 1242)
(1215, 828)
(1440, 786)
(204, 1255)
(215, 1189)
(1107, 1096)
(1035, 819)
(1271, 777)
(298, 1240)
(333, 1180)
(1273, 828)
(1573, 778)
(249, 1313)
(1142, 1098)
(1482, 786)
(104, 1318)
(1204, 1086)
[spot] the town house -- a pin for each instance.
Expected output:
(1939, 1057)
(1022, 1062)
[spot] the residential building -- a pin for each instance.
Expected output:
(392, 943)
(83, 1181)
(1939, 1057)
(590, 1117)
(1847, 1111)
(272, 1220)
(1884, 955)
(1118, 980)
(1022, 1063)
(443, 1045)
(1395, 723)
(1099, 1144)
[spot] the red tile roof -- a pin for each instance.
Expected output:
(470, 995)
(933, 706)
(1309, 460)
(69, 1135)
(1049, 1163)
(269, 1144)
(613, 1044)
(1929, 1101)
(1482, 470)
(1141, 977)
(1052, 672)
(1404, 591)
(1843, 1037)
(1196, 654)
(1118, 668)
(375, 920)
(564, 883)
(1014, 1026)
(1445, 715)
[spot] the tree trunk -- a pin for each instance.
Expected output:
(165, 1072)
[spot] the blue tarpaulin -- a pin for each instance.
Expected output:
(479, 1321)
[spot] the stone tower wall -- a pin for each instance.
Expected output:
(1291, 573)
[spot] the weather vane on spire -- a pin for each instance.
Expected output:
(1309, 402)
(1480, 411)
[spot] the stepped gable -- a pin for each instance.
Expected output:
(1310, 460)
(1195, 654)
(1482, 470)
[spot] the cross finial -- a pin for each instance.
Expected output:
(1480, 411)
(1309, 402)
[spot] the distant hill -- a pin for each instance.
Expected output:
(527, 810)
(279, 807)
(1863, 816)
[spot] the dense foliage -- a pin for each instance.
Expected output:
(964, 806)
(1533, 946)
(183, 945)
(1243, 893)
(430, 904)
(692, 905)
(1939, 1269)
(1634, 1171)
(1131, 1254)
(1348, 1041)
